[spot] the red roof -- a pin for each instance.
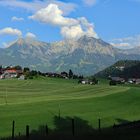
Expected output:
(11, 71)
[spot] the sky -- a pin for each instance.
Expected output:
(114, 21)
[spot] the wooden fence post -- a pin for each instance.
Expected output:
(13, 130)
(46, 130)
(73, 127)
(19, 134)
(27, 131)
(59, 112)
(99, 123)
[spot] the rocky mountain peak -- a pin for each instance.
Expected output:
(86, 55)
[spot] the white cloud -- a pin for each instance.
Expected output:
(17, 18)
(72, 32)
(30, 35)
(90, 2)
(127, 42)
(70, 27)
(10, 31)
(82, 28)
(54, 16)
(36, 5)
(88, 28)
(121, 45)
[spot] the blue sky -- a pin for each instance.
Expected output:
(115, 21)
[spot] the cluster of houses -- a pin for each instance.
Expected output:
(11, 72)
(120, 80)
(64, 75)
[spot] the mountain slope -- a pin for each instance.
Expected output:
(123, 68)
(84, 56)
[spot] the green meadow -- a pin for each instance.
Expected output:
(36, 102)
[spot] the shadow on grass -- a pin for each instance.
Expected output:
(77, 129)
(122, 121)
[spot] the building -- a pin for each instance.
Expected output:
(118, 80)
(137, 81)
(134, 81)
(22, 77)
(10, 73)
(86, 81)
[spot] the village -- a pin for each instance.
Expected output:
(17, 72)
(120, 80)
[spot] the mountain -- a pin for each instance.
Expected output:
(128, 54)
(123, 68)
(86, 55)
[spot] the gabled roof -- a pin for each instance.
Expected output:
(11, 71)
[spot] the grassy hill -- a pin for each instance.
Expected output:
(124, 68)
(37, 102)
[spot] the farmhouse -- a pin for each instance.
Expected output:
(134, 81)
(137, 81)
(22, 77)
(10, 73)
(86, 81)
(64, 75)
(118, 80)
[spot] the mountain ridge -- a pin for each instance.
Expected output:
(86, 55)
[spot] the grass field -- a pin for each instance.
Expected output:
(36, 102)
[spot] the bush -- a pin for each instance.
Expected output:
(112, 83)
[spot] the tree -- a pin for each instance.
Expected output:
(70, 74)
(26, 72)
(18, 67)
(112, 83)
(33, 73)
(81, 77)
(26, 69)
(1, 69)
(94, 80)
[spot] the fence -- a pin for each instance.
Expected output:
(134, 124)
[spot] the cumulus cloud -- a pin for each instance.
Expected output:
(54, 16)
(72, 32)
(90, 2)
(30, 35)
(121, 45)
(36, 5)
(88, 28)
(17, 18)
(82, 28)
(127, 42)
(70, 27)
(10, 31)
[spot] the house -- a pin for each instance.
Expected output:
(134, 81)
(10, 73)
(22, 77)
(118, 80)
(64, 75)
(137, 81)
(86, 81)
(130, 81)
